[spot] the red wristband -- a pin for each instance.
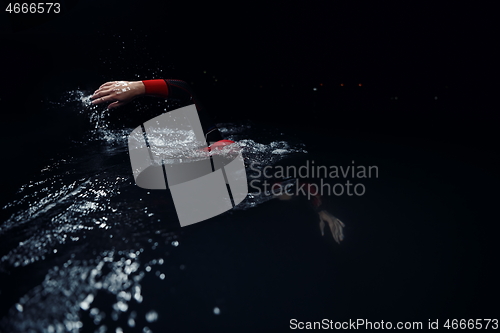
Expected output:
(156, 87)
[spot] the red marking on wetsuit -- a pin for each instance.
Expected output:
(315, 198)
(218, 145)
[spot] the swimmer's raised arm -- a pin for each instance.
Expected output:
(123, 92)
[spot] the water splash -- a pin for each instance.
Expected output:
(83, 223)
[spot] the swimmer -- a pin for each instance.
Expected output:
(119, 93)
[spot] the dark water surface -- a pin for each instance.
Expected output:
(83, 249)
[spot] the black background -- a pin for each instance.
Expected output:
(410, 51)
(391, 49)
(267, 58)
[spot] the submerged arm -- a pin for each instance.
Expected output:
(325, 217)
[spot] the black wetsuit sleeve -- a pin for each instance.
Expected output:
(183, 92)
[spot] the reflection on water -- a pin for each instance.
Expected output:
(91, 233)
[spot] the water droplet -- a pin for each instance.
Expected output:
(85, 305)
(122, 306)
(152, 316)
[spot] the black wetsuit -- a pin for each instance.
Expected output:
(181, 91)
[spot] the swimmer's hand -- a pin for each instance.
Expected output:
(118, 92)
(336, 226)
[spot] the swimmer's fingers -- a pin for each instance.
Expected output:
(335, 232)
(336, 226)
(341, 229)
(101, 93)
(115, 104)
(103, 99)
(322, 226)
(117, 98)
